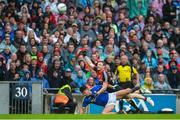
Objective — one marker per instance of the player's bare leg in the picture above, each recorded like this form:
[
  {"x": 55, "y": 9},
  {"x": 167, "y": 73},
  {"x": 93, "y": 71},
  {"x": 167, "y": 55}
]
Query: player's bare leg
[
  {"x": 121, "y": 93},
  {"x": 108, "y": 109}
]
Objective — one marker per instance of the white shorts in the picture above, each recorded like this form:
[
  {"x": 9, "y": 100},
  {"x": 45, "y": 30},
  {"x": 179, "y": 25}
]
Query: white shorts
[{"x": 112, "y": 99}]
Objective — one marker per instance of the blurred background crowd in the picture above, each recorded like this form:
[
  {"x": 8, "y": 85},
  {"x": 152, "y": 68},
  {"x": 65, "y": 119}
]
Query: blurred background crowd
[{"x": 89, "y": 41}]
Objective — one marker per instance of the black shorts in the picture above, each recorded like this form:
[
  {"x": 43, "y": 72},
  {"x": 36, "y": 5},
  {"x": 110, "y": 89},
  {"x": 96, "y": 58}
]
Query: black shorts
[{"x": 125, "y": 85}]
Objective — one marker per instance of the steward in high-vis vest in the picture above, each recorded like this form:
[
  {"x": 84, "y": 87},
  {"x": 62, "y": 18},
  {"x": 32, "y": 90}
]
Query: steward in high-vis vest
[{"x": 64, "y": 99}]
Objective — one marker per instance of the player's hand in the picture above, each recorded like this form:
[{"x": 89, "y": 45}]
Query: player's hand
[
  {"x": 93, "y": 96},
  {"x": 115, "y": 86},
  {"x": 97, "y": 94}
]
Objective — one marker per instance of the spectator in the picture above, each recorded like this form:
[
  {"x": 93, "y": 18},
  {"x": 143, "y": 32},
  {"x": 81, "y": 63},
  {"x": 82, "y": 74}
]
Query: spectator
[
  {"x": 169, "y": 11},
  {"x": 115, "y": 47},
  {"x": 34, "y": 52},
  {"x": 110, "y": 61},
  {"x": 84, "y": 66},
  {"x": 148, "y": 74},
  {"x": 137, "y": 7},
  {"x": 157, "y": 35},
  {"x": 3, "y": 69},
  {"x": 69, "y": 52},
  {"x": 162, "y": 53},
  {"x": 27, "y": 76},
  {"x": 75, "y": 72},
  {"x": 161, "y": 84},
  {"x": 72, "y": 62},
  {"x": 21, "y": 52},
  {"x": 8, "y": 31},
  {"x": 144, "y": 49},
  {"x": 40, "y": 62},
  {"x": 136, "y": 61},
  {"x": 69, "y": 34},
  {"x": 174, "y": 57},
  {"x": 109, "y": 51},
  {"x": 18, "y": 39},
  {"x": 157, "y": 6},
  {"x": 171, "y": 63},
  {"x": 149, "y": 60},
  {"x": 49, "y": 14},
  {"x": 6, "y": 43},
  {"x": 142, "y": 71},
  {"x": 174, "y": 37},
  {"x": 31, "y": 35},
  {"x": 160, "y": 70},
  {"x": 12, "y": 74},
  {"x": 7, "y": 53},
  {"x": 13, "y": 58},
  {"x": 55, "y": 70},
  {"x": 34, "y": 68},
  {"x": 46, "y": 54},
  {"x": 174, "y": 77},
  {"x": 87, "y": 31},
  {"x": 31, "y": 43},
  {"x": 27, "y": 59},
  {"x": 40, "y": 78},
  {"x": 80, "y": 79},
  {"x": 148, "y": 39},
  {"x": 67, "y": 76},
  {"x": 148, "y": 84}
]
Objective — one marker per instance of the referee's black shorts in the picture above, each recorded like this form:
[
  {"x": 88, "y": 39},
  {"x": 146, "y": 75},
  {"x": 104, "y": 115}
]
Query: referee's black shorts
[{"x": 125, "y": 85}]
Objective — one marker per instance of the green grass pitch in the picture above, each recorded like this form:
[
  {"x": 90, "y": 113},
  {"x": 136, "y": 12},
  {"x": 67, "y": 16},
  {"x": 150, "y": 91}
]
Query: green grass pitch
[{"x": 93, "y": 117}]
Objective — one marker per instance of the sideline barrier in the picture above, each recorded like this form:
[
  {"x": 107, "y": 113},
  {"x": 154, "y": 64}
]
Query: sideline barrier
[
  {"x": 28, "y": 98},
  {"x": 161, "y": 101},
  {"x": 20, "y": 97}
]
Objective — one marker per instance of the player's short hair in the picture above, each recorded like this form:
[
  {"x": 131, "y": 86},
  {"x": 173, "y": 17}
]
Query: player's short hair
[{"x": 83, "y": 88}]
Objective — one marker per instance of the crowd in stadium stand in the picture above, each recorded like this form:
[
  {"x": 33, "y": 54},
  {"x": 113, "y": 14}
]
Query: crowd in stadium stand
[{"x": 90, "y": 40}]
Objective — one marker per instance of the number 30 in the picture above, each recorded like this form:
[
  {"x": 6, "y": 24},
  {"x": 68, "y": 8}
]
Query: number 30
[{"x": 21, "y": 92}]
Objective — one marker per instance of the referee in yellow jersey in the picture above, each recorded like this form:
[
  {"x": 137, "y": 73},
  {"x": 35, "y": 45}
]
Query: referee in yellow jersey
[{"x": 128, "y": 77}]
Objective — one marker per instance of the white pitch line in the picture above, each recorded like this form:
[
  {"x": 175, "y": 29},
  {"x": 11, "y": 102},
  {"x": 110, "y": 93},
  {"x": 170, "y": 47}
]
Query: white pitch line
[{"x": 93, "y": 119}]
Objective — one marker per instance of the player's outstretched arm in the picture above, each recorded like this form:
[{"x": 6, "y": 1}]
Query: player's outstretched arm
[{"x": 103, "y": 89}]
